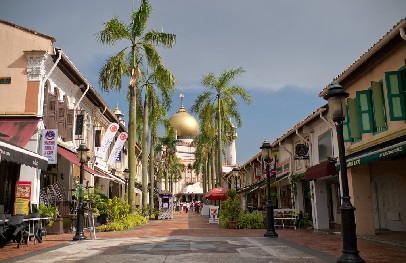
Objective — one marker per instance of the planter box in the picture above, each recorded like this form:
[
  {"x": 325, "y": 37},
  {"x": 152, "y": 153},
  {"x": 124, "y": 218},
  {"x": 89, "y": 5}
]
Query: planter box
[{"x": 56, "y": 228}]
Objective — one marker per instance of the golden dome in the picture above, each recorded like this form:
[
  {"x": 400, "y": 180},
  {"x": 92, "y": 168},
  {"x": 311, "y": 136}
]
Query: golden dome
[{"x": 185, "y": 125}]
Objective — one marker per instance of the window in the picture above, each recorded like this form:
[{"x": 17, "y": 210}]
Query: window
[
  {"x": 5, "y": 80},
  {"x": 367, "y": 112},
  {"x": 396, "y": 88},
  {"x": 325, "y": 146}
]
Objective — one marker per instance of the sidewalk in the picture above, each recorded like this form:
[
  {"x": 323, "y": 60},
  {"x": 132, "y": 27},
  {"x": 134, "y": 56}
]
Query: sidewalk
[{"x": 386, "y": 247}]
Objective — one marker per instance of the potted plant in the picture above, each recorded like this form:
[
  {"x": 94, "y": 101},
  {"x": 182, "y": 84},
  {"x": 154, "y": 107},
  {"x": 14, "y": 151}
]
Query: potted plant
[
  {"x": 231, "y": 208},
  {"x": 54, "y": 223}
]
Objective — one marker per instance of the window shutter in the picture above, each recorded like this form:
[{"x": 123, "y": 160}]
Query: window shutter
[
  {"x": 379, "y": 105},
  {"x": 346, "y": 130},
  {"x": 396, "y": 97},
  {"x": 353, "y": 119},
  {"x": 365, "y": 110}
]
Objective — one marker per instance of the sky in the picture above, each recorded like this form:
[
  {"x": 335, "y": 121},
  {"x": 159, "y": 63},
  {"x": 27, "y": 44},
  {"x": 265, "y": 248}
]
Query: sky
[{"x": 289, "y": 49}]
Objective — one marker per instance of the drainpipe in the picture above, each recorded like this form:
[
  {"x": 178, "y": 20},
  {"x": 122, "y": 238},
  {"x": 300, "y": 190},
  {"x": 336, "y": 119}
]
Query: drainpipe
[
  {"x": 41, "y": 105},
  {"x": 402, "y": 33},
  {"x": 81, "y": 98},
  {"x": 327, "y": 121}
]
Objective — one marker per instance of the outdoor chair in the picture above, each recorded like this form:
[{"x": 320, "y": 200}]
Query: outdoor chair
[
  {"x": 17, "y": 227},
  {"x": 3, "y": 230}
]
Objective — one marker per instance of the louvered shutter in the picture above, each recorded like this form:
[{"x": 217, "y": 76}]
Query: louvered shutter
[
  {"x": 379, "y": 105},
  {"x": 51, "y": 118},
  {"x": 69, "y": 125},
  {"x": 354, "y": 131},
  {"x": 396, "y": 96},
  {"x": 365, "y": 110}
]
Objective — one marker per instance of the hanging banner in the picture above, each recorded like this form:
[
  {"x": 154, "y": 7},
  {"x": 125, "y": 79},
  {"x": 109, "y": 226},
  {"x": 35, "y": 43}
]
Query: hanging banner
[
  {"x": 106, "y": 141},
  {"x": 117, "y": 148},
  {"x": 50, "y": 145}
]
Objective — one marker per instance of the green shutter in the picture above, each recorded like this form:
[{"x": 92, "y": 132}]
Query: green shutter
[
  {"x": 396, "y": 98},
  {"x": 379, "y": 105},
  {"x": 346, "y": 131},
  {"x": 353, "y": 120},
  {"x": 365, "y": 110}
]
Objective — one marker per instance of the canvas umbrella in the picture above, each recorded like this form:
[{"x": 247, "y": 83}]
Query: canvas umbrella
[{"x": 216, "y": 194}]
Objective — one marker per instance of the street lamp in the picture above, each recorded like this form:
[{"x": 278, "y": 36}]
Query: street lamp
[
  {"x": 80, "y": 213},
  {"x": 236, "y": 172},
  {"x": 336, "y": 98},
  {"x": 266, "y": 156},
  {"x": 126, "y": 173}
]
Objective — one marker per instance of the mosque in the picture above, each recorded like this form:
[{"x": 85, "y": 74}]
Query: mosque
[{"x": 190, "y": 186}]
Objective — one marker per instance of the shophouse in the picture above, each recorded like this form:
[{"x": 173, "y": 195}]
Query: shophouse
[
  {"x": 375, "y": 133},
  {"x": 43, "y": 95}
]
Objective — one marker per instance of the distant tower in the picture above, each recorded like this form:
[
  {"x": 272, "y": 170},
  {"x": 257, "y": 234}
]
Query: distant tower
[
  {"x": 231, "y": 150},
  {"x": 119, "y": 115}
]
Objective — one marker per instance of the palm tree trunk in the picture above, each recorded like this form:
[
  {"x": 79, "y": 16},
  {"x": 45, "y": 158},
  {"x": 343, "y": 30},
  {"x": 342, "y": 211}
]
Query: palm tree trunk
[
  {"x": 219, "y": 161},
  {"x": 212, "y": 159},
  {"x": 145, "y": 140},
  {"x": 131, "y": 147},
  {"x": 152, "y": 170},
  {"x": 204, "y": 174}
]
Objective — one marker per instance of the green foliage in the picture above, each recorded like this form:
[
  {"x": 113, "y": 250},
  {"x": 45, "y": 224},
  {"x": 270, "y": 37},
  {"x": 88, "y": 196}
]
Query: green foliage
[
  {"x": 98, "y": 202},
  {"x": 250, "y": 221},
  {"x": 49, "y": 211},
  {"x": 117, "y": 209},
  {"x": 231, "y": 208},
  {"x": 129, "y": 222}
]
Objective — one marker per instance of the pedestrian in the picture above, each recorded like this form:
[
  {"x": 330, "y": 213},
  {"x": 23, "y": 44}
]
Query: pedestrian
[
  {"x": 187, "y": 205},
  {"x": 192, "y": 206},
  {"x": 197, "y": 207}
]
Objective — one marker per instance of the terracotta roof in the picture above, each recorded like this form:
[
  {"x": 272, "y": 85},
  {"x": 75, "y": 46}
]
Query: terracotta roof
[
  {"x": 27, "y": 30},
  {"x": 369, "y": 53}
]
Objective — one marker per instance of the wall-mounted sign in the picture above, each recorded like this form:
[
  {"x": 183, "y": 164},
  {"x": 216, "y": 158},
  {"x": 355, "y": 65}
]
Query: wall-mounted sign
[
  {"x": 50, "y": 145},
  {"x": 301, "y": 151}
]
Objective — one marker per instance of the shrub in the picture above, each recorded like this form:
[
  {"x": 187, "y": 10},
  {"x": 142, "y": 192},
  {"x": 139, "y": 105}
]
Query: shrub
[
  {"x": 49, "y": 211},
  {"x": 117, "y": 209},
  {"x": 129, "y": 222},
  {"x": 250, "y": 221},
  {"x": 231, "y": 208}
]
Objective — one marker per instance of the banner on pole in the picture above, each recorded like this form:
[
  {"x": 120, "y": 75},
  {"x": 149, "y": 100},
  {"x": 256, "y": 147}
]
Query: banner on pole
[
  {"x": 117, "y": 148},
  {"x": 106, "y": 141}
]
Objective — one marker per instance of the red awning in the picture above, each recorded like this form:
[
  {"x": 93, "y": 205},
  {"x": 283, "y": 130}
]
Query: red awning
[
  {"x": 71, "y": 157},
  {"x": 216, "y": 194},
  {"x": 326, "y": 168},
  {"x": 17, "y": 131}
]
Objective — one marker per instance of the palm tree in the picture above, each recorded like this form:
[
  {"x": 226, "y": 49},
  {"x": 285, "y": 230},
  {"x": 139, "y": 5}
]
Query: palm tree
[
  {"x": 128, "y": 62},
  {"x": 158, "y": 112},
  {"x": 220, "y": 102}
]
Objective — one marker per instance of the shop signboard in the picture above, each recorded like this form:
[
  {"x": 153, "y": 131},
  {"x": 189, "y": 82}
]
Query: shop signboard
[
  {"x": 22, "y": 198},
  {"x": 50, "y": 145}
]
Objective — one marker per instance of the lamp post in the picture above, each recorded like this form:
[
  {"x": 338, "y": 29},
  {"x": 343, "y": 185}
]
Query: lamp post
[
  {"x": 236, "y": 172},
  {"x": 266, "y": 156},
  {"x": 336, "y": 98},
  {"x": 80, "y": 213},
  {"x": 126, "y": 173}
]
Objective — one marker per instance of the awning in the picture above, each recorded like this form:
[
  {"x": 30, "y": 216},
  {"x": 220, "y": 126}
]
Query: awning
[
  {"x": 216, "y": 194},
  {"x": 17, "y": 131},
  {"x": 382, "y": 153},
  {"x": 71, "y": 157},
  {"x": 22, "y": 156},
  {"x": 322, "y": 169}
]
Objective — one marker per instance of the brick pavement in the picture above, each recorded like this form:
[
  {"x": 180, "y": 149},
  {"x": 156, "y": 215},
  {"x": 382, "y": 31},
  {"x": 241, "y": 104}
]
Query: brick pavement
[{"x": 192, "y": 224}]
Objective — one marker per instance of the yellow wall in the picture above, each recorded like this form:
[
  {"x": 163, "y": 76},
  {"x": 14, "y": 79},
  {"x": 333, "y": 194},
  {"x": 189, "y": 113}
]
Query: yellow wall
[{"x": 21, "y": 96}]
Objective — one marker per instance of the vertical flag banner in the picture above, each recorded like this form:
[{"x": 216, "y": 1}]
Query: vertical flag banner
[
  {"x": 117, "y": 148},
  {"x": 50, "y": 145},
  {"x": 107, "y": 139}
]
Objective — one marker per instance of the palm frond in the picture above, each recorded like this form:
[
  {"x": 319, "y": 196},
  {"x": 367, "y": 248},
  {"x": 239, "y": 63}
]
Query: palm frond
[
  {"x": 160, "y": 39},
  {"x": 113, "y": 31},
  {"x": 139, "y": 20},
  {"x": 110, "y": 75}
]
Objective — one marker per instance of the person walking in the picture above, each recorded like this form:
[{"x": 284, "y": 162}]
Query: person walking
[{"x": 187, "y": 205}]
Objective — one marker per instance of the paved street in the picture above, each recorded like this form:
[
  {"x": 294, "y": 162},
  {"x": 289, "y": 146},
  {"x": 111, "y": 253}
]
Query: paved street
[{"x": 189, "y": 238}]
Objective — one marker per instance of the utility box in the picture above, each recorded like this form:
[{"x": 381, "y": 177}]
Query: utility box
[{"x": 165, "y": 205}]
